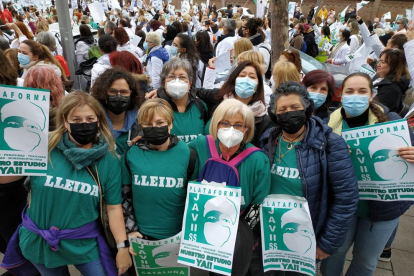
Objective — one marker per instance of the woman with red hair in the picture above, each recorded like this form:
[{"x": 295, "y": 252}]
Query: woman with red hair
[
  {"x": 124, "y": 44},
  {"x": 129, "y": 62},
  {"x": 46, "y": 78},
  {"x": 321, "y": 89},
  {"x": 156, "y": 26}
]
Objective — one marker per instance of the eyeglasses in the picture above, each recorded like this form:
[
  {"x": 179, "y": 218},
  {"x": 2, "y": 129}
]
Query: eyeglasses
[
  {"x": 159, "y": 123},
  {"x": 239, "y": 127},
  {"x": 122, "y": 92},
  {"x": 181, "y": 78}
]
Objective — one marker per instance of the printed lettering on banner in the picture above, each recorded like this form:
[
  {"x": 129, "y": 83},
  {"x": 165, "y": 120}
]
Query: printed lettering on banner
[
  {"x": 158, "y": 257},
  {"x": 382, "y": 174},
  {"x": 288, "y": 239},
  {"x": 24, "y": 114},
  {"x": 365, "y": 68},
  {"x": 210, "y": 224}
]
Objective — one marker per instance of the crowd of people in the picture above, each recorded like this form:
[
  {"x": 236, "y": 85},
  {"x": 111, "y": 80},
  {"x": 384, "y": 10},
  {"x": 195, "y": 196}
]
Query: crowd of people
[{"x": 153, "y": 100}]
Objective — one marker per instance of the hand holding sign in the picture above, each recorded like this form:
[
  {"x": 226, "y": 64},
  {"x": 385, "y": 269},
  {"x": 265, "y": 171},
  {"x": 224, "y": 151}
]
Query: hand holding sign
[{"x": 407, "y": 153}]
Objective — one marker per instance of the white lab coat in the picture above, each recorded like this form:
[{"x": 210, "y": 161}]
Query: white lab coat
[{"x": 225, "y": 45}]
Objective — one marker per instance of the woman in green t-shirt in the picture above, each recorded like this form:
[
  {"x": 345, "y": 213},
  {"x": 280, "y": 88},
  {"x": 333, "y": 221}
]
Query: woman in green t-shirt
[
  {"x": 116, "y": 89},
  {"x": 232, "y": 128},
  {"x": 154, "y": 170},
  {"x": 68, "y": 197}
]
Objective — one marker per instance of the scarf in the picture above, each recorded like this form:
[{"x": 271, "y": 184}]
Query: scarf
[
  {"x": 80, "y": 157},
  {"x": 258, "y": 108},
  {"x": 336, "y": 49}
]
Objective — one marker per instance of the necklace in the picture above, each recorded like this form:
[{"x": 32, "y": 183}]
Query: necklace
[
  {"x": 281, "y": 155},
  {"x": 289, "y": 145}
]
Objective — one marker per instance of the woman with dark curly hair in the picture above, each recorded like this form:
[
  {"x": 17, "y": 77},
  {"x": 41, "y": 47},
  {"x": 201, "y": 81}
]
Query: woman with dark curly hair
[
  {"x": 124, "y": 44},
  {"x": 116, "y": 89}
]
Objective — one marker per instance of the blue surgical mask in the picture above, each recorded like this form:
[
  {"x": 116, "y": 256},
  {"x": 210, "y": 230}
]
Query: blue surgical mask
[
  {"x": 245, "y": 87},
  {"x": 23, "y": 59},
  {"x": 173, "y": 51},
  {"x": 396, "y": 27},
  {"x": 317, "y": 98},
  {"x": 146, "y": 47},
  {"x": 355, "y": 105}
]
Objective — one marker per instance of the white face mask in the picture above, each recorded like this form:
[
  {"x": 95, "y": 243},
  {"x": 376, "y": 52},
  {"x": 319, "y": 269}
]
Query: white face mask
[
  {"x": 177, "y": 88},
  {"x": 230, "y": 137},
  {"x": 330, "y": 21}
]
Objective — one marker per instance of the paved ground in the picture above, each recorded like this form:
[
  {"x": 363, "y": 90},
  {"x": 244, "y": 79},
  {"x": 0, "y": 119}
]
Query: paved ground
[{"x": 402, "y": 252}]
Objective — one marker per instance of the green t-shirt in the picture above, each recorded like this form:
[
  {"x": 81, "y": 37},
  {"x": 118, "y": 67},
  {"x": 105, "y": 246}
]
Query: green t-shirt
[
  {"x": 121, "y": 143},
  {"x": 207, "y": 127},
  {"x": 158, "y": 188},
  {"x": 364, "y": 209},
  {"x": 285, "y": 174},
  {"x": 68, "y": 198},
  {"x": 188, "y": 125},
  {"x": 254, "y": 173}
]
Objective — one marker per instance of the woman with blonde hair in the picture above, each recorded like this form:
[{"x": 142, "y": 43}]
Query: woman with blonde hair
[
  {"x": 240, "y": 45},
  {"x": 83, "y": 170},
  {"x": 154, "y": 155},
  {"x": 284, "y": 71},
  {"x": 231, "y": 131}
]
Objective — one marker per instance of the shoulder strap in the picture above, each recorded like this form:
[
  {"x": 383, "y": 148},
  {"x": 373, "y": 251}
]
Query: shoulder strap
[
  {"x": 242, "y": 156},
  {"x": 263, "y": 47},
  {"x": 202, "y": 110},
  {"x": 212, "y": 147},
  {"x": 95, "y": 177},
  {"x": 191, "y": 165}
]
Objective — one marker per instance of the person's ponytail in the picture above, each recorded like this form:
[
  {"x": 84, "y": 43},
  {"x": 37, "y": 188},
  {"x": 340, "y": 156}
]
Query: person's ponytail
[
  {"x": 378, "y": 112},
  {"x": 348, "y": 41}
]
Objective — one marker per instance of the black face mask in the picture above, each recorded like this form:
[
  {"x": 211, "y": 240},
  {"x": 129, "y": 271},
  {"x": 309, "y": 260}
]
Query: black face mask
[
  {"x": 156, "y": 135},
  {"x": 117, "y": 104},
  {"x": 84, "y": 133},
  {"x": 292, "y": 121},
  {"x": 240, "y": 32}
]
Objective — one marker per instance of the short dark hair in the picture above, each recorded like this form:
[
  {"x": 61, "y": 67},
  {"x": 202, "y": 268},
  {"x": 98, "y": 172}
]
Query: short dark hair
[
  {"x": 107, "y": 43},
  {"x": 4, "y": 44},
  {"x": 111, "y": 25},
  {"x": 84, "y": 30},
  {"x": 317, "y": 76}
]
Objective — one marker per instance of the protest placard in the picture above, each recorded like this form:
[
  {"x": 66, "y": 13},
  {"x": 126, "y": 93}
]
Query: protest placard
[
  {"x": 382, "y": 174},
  {"x": 210, "y": 224},
  {"x": 223, "y": 62},
  {"x": 24, "y": 114},
  {"x": 288, "y": 239},
  {"x": 158, "y": 257},
  {"x": 97, "y": 12},
  {"x": 291, "y": 9},
  {"x": 367, "y": 69}
]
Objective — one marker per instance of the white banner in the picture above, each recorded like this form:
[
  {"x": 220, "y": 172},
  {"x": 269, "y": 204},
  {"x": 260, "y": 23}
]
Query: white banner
[
  {"x": 97, "y": 12},
  {"x": 291, "y": 9},
  {"x": 288, "y": 239},
  {"x": 24, "y": 114},
  {"x": 210, "y": 224},
  {"x": 361, "y": 5}
]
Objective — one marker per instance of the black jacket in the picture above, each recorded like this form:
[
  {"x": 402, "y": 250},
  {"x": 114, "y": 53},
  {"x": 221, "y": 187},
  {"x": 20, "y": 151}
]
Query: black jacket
[{"x": 391, "y": 93}]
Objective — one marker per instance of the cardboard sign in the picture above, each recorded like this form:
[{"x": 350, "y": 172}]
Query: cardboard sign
[
  {"x": 382, "y": 174},
  {"x": 97, "y": 12},
  {"x": 288, "y": 239},
  {"x": 24, "y": 114},
  {"x": 365, "y": 68},
  {"x": 210, "y": 224},
  {"x": 158, "y": 257}
]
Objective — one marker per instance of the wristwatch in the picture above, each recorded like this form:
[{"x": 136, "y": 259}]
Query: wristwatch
[{"x": 123, "y": 244}]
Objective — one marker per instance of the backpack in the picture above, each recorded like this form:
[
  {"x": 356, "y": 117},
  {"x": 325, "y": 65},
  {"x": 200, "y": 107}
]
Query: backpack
[
  {"x": 94, "y": 51},
  {"x": 220, "y": 171},
  {"x": 203, "y": 110},
  {"x": 268, "y": 73},
  {"x": 304, "y": 47},
  {"x": 311, "y": 47}
]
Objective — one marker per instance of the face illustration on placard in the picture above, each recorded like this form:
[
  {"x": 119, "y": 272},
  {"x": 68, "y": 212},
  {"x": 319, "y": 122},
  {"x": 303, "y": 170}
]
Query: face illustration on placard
[
  {"x": 166, "y": 255},
  {"x": 23, "y": 124},
  {"x": 218, "y": 223},
  {"x": 297, "y": 236},
  {"x": 387, "y": 163}
]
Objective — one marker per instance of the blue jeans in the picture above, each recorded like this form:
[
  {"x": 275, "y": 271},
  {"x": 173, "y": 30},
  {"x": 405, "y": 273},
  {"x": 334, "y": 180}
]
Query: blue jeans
[
  {"x": 391, "y": 239},
  {"x": 94, "y": 268},
  {"x": 369, "y": 239}
]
